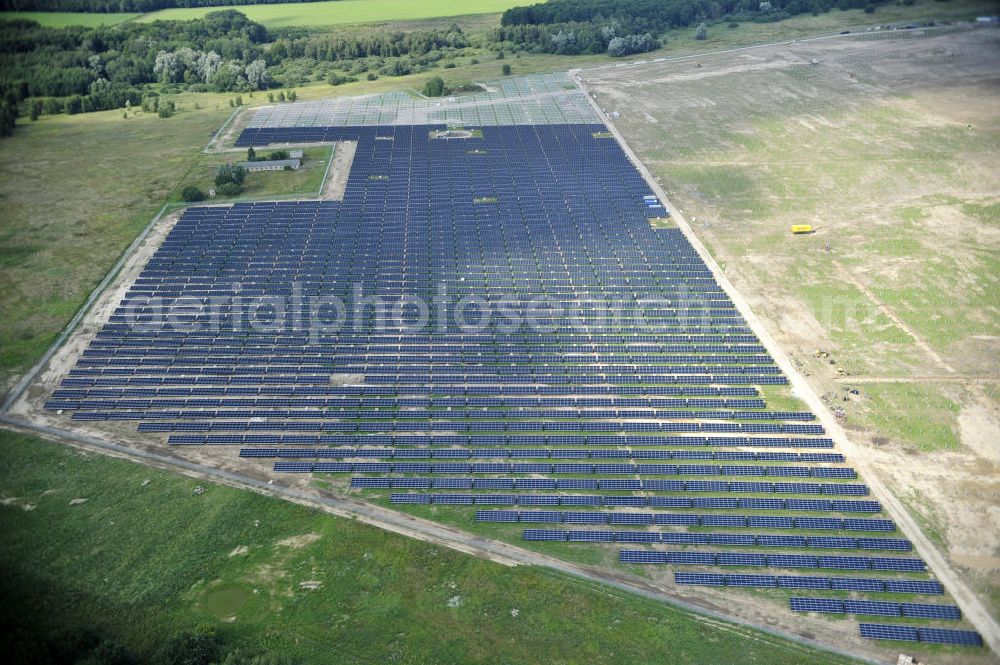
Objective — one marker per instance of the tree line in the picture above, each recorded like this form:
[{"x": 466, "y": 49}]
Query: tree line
[
  {"x": 571, "y": 27},
  {"x": 659, "y": 14},
  {"x": 140, "y": 6}
]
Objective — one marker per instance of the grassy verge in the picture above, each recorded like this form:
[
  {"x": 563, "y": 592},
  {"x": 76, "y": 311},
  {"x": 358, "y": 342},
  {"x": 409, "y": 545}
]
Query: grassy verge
[
  {"x": 304, "y": 182},
  {"x": 144, "y": 557},
  {"x": 921, "y": 415}
]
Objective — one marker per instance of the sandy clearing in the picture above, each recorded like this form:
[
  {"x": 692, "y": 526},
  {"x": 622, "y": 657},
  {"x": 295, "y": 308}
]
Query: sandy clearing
[{"x": 339, "y": 171}]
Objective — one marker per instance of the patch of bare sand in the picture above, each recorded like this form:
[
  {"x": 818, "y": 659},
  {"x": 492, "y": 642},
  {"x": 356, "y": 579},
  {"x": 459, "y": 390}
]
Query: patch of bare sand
[
  {"x": 297, "y": 542},
  {"x": 979, "y": 427},
  {"x": 340, "y": 171}
]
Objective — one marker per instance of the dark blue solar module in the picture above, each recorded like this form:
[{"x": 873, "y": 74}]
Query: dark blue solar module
[
  {"x": 928, "y": 587},
  {"x": 875, "y": 631},
  {"x": 923, "y": 611},
  {"x": 872, "y": 608},
  {"x": 829, "y": 605},
  {"x": 803, "y": 582},
  {"x": 967, "y": 638},
  {"x": 642, "y": 556},
  {"x": 544, "y": 534},
  {"x": 760, "y": 581},
  {"x": 700, "y": 579}
]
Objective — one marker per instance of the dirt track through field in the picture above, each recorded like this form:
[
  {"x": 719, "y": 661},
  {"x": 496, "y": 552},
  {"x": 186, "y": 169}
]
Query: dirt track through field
[{"x": 846, "y": 275}]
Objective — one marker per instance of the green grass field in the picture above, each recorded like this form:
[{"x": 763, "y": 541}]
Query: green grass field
[
  {"x": 339, "y": 12},
  {"x": 64, "y": 19},
  {"x": 75, "y": 191},
  {"x": 144, "y": 557},
  {"x": 302, "y": 183}
]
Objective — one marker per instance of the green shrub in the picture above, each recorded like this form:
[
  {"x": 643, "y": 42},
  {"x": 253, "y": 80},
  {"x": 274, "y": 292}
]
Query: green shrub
[
  {"x": 228, "y": 189},
  {"x": 435, "y": 87},
  {"x": 192, "y": 194}
]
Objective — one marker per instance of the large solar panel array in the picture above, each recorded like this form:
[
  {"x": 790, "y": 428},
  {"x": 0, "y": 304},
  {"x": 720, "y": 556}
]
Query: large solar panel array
[
  {"x": 577, "y": 420},
  {"x": 539, "y": 99}
]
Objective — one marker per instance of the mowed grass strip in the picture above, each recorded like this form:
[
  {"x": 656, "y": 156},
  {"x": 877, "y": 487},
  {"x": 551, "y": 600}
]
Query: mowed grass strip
[
  {"x": 341, "y": 12},
  {"x": 66, "y": 19},
  {"x": 144, "y": 557}
]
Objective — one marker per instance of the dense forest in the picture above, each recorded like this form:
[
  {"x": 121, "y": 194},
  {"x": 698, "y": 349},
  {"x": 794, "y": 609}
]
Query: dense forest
[
  {"x": 80, "y": 69},
  {"x": 660, "y": 14},
  {"x": 571, "y": 27},
  {"x": 122, "y": 5}
]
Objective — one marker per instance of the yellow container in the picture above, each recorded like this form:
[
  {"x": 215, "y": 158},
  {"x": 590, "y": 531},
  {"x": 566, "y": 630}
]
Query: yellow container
[{"x": 802, "y": 228}]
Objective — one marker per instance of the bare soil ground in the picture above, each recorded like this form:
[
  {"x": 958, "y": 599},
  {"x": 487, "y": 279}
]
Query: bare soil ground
[
  {"x": 889, "y": 147},
  {"x": 340, "y": 171}
]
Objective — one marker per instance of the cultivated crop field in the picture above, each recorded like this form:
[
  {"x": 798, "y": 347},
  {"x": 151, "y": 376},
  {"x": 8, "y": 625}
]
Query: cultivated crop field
[
  {"x": 887, "y": 144},
  {"x": 341, "y": 11}
]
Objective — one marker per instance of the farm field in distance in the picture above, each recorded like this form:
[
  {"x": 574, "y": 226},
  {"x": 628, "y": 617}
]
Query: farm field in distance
[
  {"x": 63, "y": 19},
  {"x": 887, "y": 145},
  {"x": 279, "y": 577},
  {"x": 338, "y": 12}
]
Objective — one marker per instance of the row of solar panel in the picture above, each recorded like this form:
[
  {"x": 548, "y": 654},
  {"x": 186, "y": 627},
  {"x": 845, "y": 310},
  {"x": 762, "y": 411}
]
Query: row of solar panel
[
  {"x": 415, "y": 401},
  {"x": 387, "y": 391},
  {"x": 749, "y": 559},
  {"x": 697, "y": 332},
  {"x": 334, "y": 409},
  {"x": 305, "y": 344},
  {"x": 874, "y": 631},
  {"x": 637, "y": 441},
  {"x": 728, "y": 539},
  {"x": 715, "y": 503},
  {"x": 553, "y": 453},
  {"x": 675, "y": 519},
  {"x": 605, "y": 484},
  {"x": 859, "y": 584},
  {"x": 440, "y": 381},
  {"x": 588, "y": 469},
  {"x": 875, "y": 608},
  {"x": 735, "y": 540}
]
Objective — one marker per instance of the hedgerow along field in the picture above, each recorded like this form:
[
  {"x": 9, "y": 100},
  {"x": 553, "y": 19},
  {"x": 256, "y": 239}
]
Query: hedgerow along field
[
  {"x": 138, "y": 555},
  {"x": 339, "y": 12}
]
